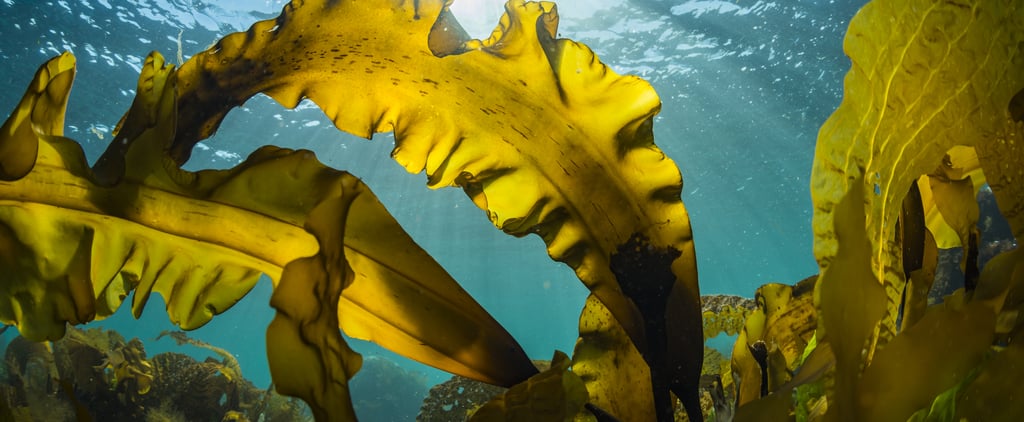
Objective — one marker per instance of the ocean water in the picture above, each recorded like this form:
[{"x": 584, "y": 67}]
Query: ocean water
[{"x": 744, "y": 85}]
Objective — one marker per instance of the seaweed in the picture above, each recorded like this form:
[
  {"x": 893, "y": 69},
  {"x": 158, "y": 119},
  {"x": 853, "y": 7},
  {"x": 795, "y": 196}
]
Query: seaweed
[
  {"x": 96, "y": 374},
  {"x": 547, "y": 140}
]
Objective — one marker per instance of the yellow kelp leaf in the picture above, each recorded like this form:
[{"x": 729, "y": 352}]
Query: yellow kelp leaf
[
  {"x": 850, "y": 305},
  {"x": 791, "y": 319},
  {"x": 991, "y": 396},
  {"x": 535, "y": 129},
  {"x": 746, "y": 368},
  {"x": 614, "y": 372},
  {"x": 44, "y": 104},
  {"x": 923, "y": 361},
  {"x": 75, "y": 247},
  {"x": 556, "y": 394},
  {"x": 308, "y": 357},
  {"x": 945, "y": 235},
  {"x": 926, "y": 76},
  {"x": 784, "y": 322},
  {"x": 959, "y": 168}
]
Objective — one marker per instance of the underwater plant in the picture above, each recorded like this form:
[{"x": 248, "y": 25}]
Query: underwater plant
[
  {"x": 135, "y": 222},
  {"x": 931, "y": 112},
  {"x": 547, "y": 140},
  {"x": 96, "y": 374}
]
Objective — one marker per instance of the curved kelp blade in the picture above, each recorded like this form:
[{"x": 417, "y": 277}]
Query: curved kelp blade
[
  {"x": 76, "y": 247},
  {"x": 783, "y": 323},
  {"x": 308, "y": 357},
  {"x": 554, "y": 395},
  {"x": 937, "y": 76},
  {"x": 615, "y": 374},
  {"x": 536, "y": 130}
]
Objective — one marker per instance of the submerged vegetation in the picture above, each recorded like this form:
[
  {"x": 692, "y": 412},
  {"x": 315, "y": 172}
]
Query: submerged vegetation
[
  {"x": 95, "y": 374},
  {"x": 547, "y": 140}
]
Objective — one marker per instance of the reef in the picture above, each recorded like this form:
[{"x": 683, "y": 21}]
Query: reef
[
  {"x": 95, "y": 374},
  {"x": 547, "y": 140}
]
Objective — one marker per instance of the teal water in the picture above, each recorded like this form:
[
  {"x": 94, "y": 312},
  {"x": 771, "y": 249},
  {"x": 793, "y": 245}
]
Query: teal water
[{"x": 745, "y": 86}]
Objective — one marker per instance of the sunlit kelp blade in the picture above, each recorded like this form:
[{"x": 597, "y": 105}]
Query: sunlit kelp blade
[
  {"x": 926, "y": 77},
  {"x": 939, "y": 75},
  {"x": 75, "y": 252},
  {"x": 615, "y": 374},
  {"x": 535, "y": 129},
  {"x": 76, "y": 248}
]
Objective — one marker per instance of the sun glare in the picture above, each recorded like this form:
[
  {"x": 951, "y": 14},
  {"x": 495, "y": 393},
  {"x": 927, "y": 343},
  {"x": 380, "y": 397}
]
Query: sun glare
[{"x": 478, "y": 17}]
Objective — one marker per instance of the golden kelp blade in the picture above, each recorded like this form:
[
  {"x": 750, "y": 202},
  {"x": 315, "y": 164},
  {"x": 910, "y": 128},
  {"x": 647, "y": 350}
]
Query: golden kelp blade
[
  {"x": 52, "y": 82},
  {"x": 937, "y": 75},
  {"x": 536, "y": 130},
  {"x": 784, "y": 321},
  {"x": 616, "y": 375},
  {"x": 308, "y": 357},
  {"x": 556, "y": 394},
  {"x": 75, "y": 248}
]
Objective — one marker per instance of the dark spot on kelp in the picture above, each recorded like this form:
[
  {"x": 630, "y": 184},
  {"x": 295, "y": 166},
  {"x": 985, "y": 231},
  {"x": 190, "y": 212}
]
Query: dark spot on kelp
[
  {"x": 644, "y": 273},
  {"x": 520, "y": 132}
]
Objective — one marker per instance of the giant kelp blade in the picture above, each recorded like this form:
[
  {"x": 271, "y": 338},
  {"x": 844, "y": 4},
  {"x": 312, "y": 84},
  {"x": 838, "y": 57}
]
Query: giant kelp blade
[
  {"x": 403, "y": 300},
  {"x": 44, "y": 102},
  {"x": 555, "y": 395},
  {"x": 400, "y": 297},
  {"x": 925, "y": 77},
  {"x": 536, "y": 130},
  {"x": 912, "y": 369},
  {"x": 76, "y": 248},
  {"x": 616, "y": 375},
  {"x": 785, "y": 319},
  {"x": 850, "y": 305},
  {"x": 308, "y": 357},
  {"x": 987, "y": 397}
]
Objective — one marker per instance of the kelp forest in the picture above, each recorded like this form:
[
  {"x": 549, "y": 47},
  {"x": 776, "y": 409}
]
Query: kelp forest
[{"x": 913, "y": 314}]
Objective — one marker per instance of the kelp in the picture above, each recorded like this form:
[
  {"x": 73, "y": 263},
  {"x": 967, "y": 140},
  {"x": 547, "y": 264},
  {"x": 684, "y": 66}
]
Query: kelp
[
  {"x": 135, "y": 212},
  {"x": 606, "y": 360},
  {"x": 943, "y": 76},
  {"x": 935, "y": 84},
  {"x": 536, "y": 130},
  {"x": 557, "y": 394},
  {"x": 76, "y": 247},
  {"x": 783, "y": 323},
  {"x": 548, "y": 140}
]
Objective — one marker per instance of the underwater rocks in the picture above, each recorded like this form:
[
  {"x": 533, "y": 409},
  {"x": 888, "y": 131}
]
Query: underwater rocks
[{"x": 94, "y": 374}]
